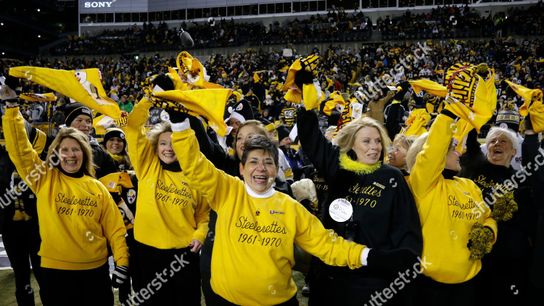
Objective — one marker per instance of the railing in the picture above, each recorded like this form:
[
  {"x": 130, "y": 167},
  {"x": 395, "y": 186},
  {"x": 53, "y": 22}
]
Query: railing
[{"x": 272, "y": 9}]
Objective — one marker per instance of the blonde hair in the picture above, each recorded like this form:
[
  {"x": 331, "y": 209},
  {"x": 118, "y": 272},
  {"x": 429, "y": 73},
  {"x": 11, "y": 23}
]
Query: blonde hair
[
  {"x": 404, "y": 141},
  {"x": 346, "y": 136},
  {"x": 82, "y": 140},
  {"x": 254, "y": 123},
  {"x": 414, "y": 150},
  {"x": 417, "y": 146},
  {"x": 156, "y": 131}
]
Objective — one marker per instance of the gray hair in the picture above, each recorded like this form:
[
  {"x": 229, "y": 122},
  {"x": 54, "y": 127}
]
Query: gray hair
[{"x": 499, "y": 131}]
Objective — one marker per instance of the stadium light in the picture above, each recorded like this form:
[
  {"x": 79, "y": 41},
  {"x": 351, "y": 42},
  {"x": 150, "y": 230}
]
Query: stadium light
[
  {"x": 38, "y": 10},
  {"x": 39, "y": 36}
]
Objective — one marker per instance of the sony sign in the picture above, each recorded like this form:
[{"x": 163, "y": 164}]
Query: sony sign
[{"x": 98, "y": 4}]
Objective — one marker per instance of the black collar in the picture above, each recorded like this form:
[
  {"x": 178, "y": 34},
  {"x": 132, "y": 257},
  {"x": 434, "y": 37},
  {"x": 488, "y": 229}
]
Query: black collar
[
  {"x": 449, "y": 174},
  {"x": 174, "y": 166},
  {"x": 77, "y": 174}
]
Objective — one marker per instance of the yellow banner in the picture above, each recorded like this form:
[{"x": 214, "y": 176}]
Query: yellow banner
[
  {"x": 84, "y": 86},
  {"x": 209, "y": 103},
  {"x": 34, "y": 97}
]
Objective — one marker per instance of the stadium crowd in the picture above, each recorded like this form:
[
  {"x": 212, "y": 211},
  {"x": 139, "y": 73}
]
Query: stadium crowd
[
  {"x": 348, "y": 69},
  {"x": 336, "y": 26}
]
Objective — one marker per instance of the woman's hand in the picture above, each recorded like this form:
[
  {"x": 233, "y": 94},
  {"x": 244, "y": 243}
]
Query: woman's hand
[{"x": 195, "y": 246}]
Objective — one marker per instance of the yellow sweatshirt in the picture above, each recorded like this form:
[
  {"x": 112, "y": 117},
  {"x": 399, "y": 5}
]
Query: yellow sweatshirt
[
  {"x": 77, "y": 216},
  {"x": 169, "y": 213},
  {"x": 255, "y": 234},
  {"x": 447, "y": 209}
]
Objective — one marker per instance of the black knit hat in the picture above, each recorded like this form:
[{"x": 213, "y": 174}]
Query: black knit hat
[
  {"x": 114, "y": 132},
  {"x": 240, "y": 111},
  {"x": 72, "y": 110},
  {"x": 508, "y": 116},
  {"x": 283, "y": 132},
  {"x": 508, "y": 119}
]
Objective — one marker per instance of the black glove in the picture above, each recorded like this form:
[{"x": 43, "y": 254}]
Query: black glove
[
  {"x": 119, "y": 276},
  {"x": 308, "y": 72},
  {"x": 176, "y": 116},
  {"x": 303, "y": 77},
  {"x": 527, "y": 122},
  {"x": 419, "y": 102},
  {"x": 163, "y": 81},
  {"x": 404, "y": 86},
  {"x": 13, "y": 82},
  {"x": 391, "y": 260}
]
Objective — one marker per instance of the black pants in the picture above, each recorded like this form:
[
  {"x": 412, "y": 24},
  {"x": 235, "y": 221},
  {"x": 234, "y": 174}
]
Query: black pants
[
  {"x": 77, "y": 287},
  {"x": 506, "y": 278},
  {"x": 165, "y": 277},
  {"x": 432, "y": 293},
  {"x": 346, "y": 290},
  {"x": 217, "y": 300},
  {"x": 206, "y": 261},
  {"x": 22, "y": 243},
  {"x": 125, "y": 290}
]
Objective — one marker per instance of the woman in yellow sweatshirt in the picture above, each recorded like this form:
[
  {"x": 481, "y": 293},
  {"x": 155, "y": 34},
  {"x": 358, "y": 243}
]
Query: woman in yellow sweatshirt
[
  {"x": 171, "y": 218},
  {"x": 258, "y": 227},
  {"x": 449, "y": 207},
  {"x": 77, "y": 216}
]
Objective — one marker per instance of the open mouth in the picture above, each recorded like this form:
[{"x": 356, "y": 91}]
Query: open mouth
[
  {"x": 497, "y": 153},
  {"x": 260, "y": 179}
]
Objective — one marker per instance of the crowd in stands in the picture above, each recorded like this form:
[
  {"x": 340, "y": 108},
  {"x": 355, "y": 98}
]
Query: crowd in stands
[
  {"x": 347, "y": 69},
  {"x": 335, "y": 26}
]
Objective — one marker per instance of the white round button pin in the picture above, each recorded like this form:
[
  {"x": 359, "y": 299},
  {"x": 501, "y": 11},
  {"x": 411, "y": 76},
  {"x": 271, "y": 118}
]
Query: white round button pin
[
  {"x": 340, "y": 210},
  {"x": 164, "y": 116}
]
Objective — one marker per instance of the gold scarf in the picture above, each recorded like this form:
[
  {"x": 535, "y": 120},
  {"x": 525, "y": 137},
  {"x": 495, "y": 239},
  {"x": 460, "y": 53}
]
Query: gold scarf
[{"x": 351, "y": 165}]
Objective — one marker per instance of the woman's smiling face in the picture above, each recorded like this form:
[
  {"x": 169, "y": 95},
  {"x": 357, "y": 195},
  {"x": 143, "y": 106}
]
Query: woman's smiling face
[
  {"x": 368, "y": 145},
  {"x": 71, "y": 155}
]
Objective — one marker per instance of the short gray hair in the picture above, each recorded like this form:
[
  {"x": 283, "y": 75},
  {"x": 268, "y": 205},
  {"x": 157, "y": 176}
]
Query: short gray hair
[{"x": 498, "y": 131}]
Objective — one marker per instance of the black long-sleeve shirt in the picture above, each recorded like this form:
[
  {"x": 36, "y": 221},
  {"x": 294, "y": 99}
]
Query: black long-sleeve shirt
[
  {"x": 533, "y": 153},
  {"x": 384, "y": 211},
  {"x": 494, "y": 181}
]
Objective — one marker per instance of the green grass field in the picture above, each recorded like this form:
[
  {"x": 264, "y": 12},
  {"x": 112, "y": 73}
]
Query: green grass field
[{"x": 7, "y": 289}]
